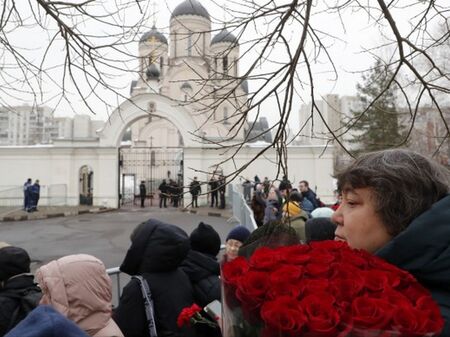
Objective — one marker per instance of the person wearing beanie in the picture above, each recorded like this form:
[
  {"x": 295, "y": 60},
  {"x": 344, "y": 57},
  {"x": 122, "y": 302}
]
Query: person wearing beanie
[
  {"x": 319, "y": 229},
  {"x": 15, "y": 282},
  {"x": 235, "y": 239},
  {"x": 295, "y": 217},
  {"x": 44, "y": 321},
  {"x": 202, "y": 266},
  {"x": 322, "y": 212}
]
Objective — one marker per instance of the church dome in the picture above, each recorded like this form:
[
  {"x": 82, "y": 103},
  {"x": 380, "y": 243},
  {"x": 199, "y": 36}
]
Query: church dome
[
  {"x": 224, "y": 36},
  {"x": 153, "y": 33},
  {"x": 190, "y": 7},
  {"x": 152, "y": 72}
]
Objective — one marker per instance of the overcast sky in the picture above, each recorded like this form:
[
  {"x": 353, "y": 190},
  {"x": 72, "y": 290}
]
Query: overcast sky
[{"x": 352, "y": 30}]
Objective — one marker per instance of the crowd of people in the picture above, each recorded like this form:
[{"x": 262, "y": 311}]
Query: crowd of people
[{"x": 394, "y": 204}]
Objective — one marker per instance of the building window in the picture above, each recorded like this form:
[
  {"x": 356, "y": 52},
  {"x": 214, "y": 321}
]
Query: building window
[
  {"x": 161, "y": 64},
  {"x": 225, "y": 115},
  {"x": 225, "y": 64},
  {"x": 189, "y": 44}
]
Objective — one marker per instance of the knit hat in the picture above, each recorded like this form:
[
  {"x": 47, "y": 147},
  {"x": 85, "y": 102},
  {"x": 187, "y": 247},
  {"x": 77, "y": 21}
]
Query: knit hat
[
  {"x": 322, "y": 212},
  {"x": 292, "y": 208},
  {"x": 319, "y": 229},
  {"x": 239, "y": 233},
  {"x": 284, "y": 185},
  {"x": 205, "y": 239},
  {"x": 13, "y": 261}
]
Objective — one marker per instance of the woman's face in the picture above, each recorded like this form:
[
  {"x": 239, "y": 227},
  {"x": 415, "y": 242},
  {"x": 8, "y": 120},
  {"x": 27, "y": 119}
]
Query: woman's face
[
  {"x": 232, "y": 248},
  {"x": 357, "y": 222}
]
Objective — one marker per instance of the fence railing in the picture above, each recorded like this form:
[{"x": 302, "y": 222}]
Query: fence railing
[
  {"x": 50, "y": 195},
  {"x": 241, "y": 211}
]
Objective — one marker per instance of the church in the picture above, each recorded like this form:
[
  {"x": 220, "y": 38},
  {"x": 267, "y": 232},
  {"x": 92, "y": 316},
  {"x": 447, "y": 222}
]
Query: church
[{"x": 185, "y": 117}]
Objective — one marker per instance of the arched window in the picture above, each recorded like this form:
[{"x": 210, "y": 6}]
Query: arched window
[{"x": 225, "y": 64}]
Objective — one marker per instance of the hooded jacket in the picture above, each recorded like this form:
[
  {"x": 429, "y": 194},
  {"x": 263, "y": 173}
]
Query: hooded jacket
[
  {"x": 423, "y": 249},
  {"x": 203, "y": 271},
  {"x": 44, "y": 321},
  {"x": 78, "y": 287},
  {"x": 156, "y": 252}
]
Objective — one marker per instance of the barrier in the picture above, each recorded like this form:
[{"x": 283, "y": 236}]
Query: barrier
[
  {"x": 50, "y": 195},
  {"x": 241, "y": 211}
]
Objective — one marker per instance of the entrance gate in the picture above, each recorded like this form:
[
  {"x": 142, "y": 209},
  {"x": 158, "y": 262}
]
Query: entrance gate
[{"x": 151, "y": 165}]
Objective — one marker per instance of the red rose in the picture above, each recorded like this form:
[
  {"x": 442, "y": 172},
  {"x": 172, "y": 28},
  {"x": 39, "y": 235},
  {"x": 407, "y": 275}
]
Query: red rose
[
  {"x": 297, "y": 254},
  {"x": 322, "y": 317},
  {"x": 252, "y": 287},
  {"x": 232, "y": 271},
  {"x": 430, "y": 309},
  {"x": 313, "y": 286},
  {"x": 371, "y": 313},
  {"x": 283, "y": 317},
  {"x": 184, "y": 318},
  {"x": 375, "y": 280},
  {"x": 346, "y": 289},
  {"x": 264, "y": 259},
  {"x": 317, "y": 270},
  {"x": 322, "y": 257},
  {"x": 354, "y": 258}
]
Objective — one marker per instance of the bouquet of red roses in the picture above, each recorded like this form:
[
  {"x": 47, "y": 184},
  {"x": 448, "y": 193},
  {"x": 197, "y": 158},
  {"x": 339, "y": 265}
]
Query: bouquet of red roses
[{"x": 323, "y": 289}]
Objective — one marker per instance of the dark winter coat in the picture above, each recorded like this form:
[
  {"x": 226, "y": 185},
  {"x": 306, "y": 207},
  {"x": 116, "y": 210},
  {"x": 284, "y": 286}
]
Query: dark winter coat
[
  {"x": 423, "y": 249},
  {"x": 312, "y": 197},
  {"x": 156, "y": 252},
  {"x": 203, "y": 271},
  {"x": 44, "y": 321},
  {"x": 8, "y": 305},
  {"x": 195, "y": 188}
]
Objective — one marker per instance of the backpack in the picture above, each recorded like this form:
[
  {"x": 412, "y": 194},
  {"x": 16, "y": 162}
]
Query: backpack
[{"x": 27, "y": 299}]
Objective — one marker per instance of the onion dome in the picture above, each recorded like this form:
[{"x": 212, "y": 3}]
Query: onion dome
[
  {"x": 152, "y": 72},
  {"x": 244, "y": 86},
  {"x": 190, "y": 7},
  {"x": 224, "y": 36},
  {"x": 153, "y": 35}
]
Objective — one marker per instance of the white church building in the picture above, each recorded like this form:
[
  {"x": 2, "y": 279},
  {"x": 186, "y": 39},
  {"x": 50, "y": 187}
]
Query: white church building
[{"x": 180, "y": 127}]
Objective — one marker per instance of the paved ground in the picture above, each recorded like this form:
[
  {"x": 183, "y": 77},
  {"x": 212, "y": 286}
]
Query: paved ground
[{"x": 44, "y": 212}]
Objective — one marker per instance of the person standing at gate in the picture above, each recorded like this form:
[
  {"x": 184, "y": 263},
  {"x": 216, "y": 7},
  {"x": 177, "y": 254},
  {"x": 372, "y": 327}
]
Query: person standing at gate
[
  {"x": 35, "y": 192},
  {"x": 142, "y": 192},
  {"x": 163, "y": 189},
  {"x": 26, "y": 194},
  {"x": 195, "y": 189},
  {"x": 222, "y": 191},
  {"x": 214, "y": 192}
]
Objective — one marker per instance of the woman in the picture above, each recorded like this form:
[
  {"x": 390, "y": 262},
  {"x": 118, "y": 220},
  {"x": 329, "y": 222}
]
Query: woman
[
  {"x": 79, "y": 288},
  {"x": 396, "y": 204},
  {"x": 156, "y": 253}
]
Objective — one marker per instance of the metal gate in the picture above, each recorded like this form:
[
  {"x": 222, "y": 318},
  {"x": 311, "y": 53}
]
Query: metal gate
[{"x": 150, "y": 165}]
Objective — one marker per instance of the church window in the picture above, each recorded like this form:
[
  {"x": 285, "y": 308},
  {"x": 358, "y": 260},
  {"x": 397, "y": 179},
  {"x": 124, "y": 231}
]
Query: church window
[
  {"x": 225, "y": 115},
  {"x": 189, "y": 44},
  {"x": 225, "y": 64}
]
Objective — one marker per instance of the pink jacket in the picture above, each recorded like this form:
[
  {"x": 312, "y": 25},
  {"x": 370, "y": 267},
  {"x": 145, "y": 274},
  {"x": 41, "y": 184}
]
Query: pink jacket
[{"x": 79, "y": 288}]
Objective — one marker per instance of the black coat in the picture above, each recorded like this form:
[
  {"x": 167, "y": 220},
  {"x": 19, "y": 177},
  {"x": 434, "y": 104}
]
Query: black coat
[
  {"x": 203, "y": 271},
  {"x": 9, "y": 305},
  {"x": 423, "y": 249},
  {"x": 156, "y": 251}
]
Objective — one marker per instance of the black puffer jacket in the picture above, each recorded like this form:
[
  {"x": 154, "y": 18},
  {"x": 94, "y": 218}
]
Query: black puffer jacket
[
  {"x": 423, "y": 249},
  {"x": 156, "y": 252},
  {"x": 203, "y": 271}
]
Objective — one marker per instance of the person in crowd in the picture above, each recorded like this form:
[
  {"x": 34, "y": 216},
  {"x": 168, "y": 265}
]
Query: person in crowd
[
  {"x": 195, "y": 189},
  {"x": 235, "y": 239},
  {"x": 156, "y": 253},
  {"x": 256, "y": 181},
  {"x": 34, "y": 195},
  {"x": 16, "y": 282},
  {"x": 322, "y": 212},
  {"x": 304, "y": 203},
  {"x": 222, "y": 191},
  {"x": 309, "y": 194},
  {"x": 79, "y": 288},
  {"x": 295, "y": 217},
  {"x": 142, "y": 192},
  {"x": 213, "y": 187},
  {"x": 202, "y": 266},
  {"x": 266, "y": 186},
  {"x": 258, "y": 205},
  {"x": 272, "y": 211},
  {"x": 44, "y": 321},
  {"x": 396, "y": 205},
  {"x": 319, "y": 229},
  {"x": 284, "y": 190},
  {"x": 247, "y": 189},
  {"x": 26, "y": 194},
  {"x": 163, "y": 190}
]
